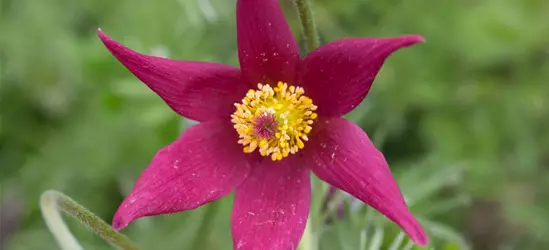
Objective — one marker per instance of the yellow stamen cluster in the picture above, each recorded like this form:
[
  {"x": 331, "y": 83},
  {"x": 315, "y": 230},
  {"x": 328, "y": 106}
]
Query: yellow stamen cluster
[{"x": 284, "y": 107}]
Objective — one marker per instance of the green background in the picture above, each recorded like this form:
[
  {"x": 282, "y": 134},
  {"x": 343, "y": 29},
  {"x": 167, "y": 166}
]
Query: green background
[{"x": 463, "y": 119}]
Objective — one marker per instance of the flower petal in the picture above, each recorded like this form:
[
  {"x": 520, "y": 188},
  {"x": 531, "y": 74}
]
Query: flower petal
[
  {"x": 267, "y": 49},
  {"x": 338, "y": 75},
  {"x": 271, "y": 207},
  {"x": 196, "y": 90},
  {"x": 341, "y": 154},
  {"x": 204, "y": 164}
]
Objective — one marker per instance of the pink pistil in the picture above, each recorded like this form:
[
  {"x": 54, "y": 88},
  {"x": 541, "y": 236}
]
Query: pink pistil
[{"x": 265, "y": 126}]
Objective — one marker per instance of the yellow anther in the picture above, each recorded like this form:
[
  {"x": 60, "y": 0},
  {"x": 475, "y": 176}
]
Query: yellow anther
[{"x": 275, "y": 121}]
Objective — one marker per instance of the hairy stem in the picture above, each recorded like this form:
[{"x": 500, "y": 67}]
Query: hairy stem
[
  {"x": 310, "y": 35},
  {"x": 308, "y": 25},
  {"x": 52, "y": 202}
]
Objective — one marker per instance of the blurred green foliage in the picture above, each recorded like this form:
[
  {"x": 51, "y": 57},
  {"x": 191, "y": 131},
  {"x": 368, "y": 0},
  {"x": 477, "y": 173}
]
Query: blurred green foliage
[{"x": 463, "y": 119}]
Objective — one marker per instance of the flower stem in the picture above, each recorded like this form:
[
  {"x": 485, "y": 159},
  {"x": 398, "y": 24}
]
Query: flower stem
[
  {"x": 308, "y": 25},
  {"x": 52, "y": 202},
  {"x": 310, "y": 35}
]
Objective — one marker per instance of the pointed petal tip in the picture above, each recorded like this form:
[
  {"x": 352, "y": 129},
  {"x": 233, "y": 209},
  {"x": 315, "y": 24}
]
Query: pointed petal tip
[
  {"x": 122, "y": 218},
  {"x": 415, "y": 231},
  {"x": 422, "y": 239},
  {"x": 101, "y": 34},
  {"x": 118, "y": 223},
  {"x": 413, "y": 39},
  {"x": 104, "y": 38}
]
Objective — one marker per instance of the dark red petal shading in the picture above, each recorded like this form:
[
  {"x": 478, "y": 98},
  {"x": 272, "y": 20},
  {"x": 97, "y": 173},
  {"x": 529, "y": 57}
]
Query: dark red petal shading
[
  {"x": 341, "y": 154},
  {"x": 267, "y": 49},
  {"x": 196, "y": 90},
  {"x": 204, "y": 164},
  {"x": 338, "y": 75},
  {"x": 272, "y": 206}
]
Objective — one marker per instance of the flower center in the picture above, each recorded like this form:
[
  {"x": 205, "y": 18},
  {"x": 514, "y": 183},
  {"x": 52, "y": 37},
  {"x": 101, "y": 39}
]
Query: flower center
[{"x": 275, "y": 120}]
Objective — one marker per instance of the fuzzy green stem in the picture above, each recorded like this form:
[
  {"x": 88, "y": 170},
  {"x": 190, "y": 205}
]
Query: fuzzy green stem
[
  {"x": 310, "y": 36},
  {"x": 308, "y": 25},
  {"x": 52, "y": 202}
]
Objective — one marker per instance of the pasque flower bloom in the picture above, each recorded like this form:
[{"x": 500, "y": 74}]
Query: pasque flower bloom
[{"x": 263, "y": 128}]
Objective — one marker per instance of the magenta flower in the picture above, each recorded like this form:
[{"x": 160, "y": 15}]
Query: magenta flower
[{"x": 263, "y": 128}]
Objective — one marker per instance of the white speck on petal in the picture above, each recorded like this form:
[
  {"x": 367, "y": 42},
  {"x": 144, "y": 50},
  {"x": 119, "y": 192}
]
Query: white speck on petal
[
  {"x": 333, "y": 153},
  {"x": 240, "y": 244},
  {"x": 176, "y": 164}
]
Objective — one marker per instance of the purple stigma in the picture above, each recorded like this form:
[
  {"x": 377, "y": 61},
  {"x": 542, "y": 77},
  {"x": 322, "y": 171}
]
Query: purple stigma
[{"x": 265, "y": 126}]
